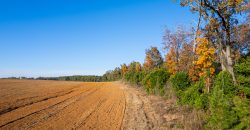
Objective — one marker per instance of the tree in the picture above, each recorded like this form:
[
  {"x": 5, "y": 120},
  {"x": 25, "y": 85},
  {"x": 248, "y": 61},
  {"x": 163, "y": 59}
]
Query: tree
[
  {"x": 224, "y": 13},
  {"x": 222, "y": 115},
  {"x": 124, "y": 69},
  {"x": 132, "y": 66},
  {"x": 134, "y": 74},
  {"x": 138, "y": 67},
  {"x": 174, "y": 41},
  {"x": 205, "y": 54},
  {"x": 171, "y": 63},
  {"x": 116, "y": 73},
  {"x": 153, "y": 59},
  {"x": 155, "y": 81},
  {"x": 186, "y": 58},
  {"x": 242, "y": 36}
]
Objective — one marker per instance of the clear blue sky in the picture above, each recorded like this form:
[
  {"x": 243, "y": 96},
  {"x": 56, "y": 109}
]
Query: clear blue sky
[{"x": 86, "y": 37}]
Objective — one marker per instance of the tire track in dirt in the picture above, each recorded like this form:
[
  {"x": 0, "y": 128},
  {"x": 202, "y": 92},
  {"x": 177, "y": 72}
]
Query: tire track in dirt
[
  {"x": 139, "y": 113},
  {"x": 89, "y": 114}
]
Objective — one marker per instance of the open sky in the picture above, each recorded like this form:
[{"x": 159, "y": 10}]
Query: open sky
[{"x": 81, "y": 37}]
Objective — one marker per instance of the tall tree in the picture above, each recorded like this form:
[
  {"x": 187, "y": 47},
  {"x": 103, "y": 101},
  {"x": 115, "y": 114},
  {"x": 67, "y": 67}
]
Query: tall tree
[
  {"x": 186, "y": 57},
  {"x": 153, "y": 58},
  {"x": 138, "y": 67},
  {"x": 205, "y": 58},
  {"x": 225, "y": 13},
  {"x": 124, "y": 69},
  {"x": 171, "y": 63},
  {"x": 175, "y": 40}
]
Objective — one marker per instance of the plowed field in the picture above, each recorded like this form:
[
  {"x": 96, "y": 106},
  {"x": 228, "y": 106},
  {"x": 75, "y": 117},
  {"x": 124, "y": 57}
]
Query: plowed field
[
  {"x": 60, "y": 105},
  {"x": 57, "y": 105}
]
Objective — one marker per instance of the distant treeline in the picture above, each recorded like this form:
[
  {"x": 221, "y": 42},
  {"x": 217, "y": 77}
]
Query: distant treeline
[
  {"x": 87, "y": 78},
  {"x": 19, "y": 78},
  {"x": 108, "y": 76}
]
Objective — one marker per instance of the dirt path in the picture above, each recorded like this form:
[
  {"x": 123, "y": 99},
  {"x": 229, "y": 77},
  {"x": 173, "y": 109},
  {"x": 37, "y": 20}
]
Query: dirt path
[
  {"x": 60, "y": 105},
  {"x": 139, "y": 113}
]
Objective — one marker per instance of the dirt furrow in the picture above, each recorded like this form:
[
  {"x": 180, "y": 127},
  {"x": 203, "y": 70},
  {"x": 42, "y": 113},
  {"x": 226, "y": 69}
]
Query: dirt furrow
[
  {"x": 109, "y": 114},
  {"x": 29, "y": 101},
  {"x": 27, "y": 104},
  {"x": 12, "y": 117}
]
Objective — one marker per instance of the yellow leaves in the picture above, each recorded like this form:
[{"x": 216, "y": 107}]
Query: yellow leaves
[
  {"x": 137, "y": 67},
  {"x": 212, "y": 70},
  {"x": 235, "y": 2},
  {"x": 205, "y": 53},
  {"x": 192, "y": 72},
  {"x": 238, "y": 5},
  {"x": 124, "y": 69},
  {"x": 171, "y": 63},
  {"x": 147, "y": 63}
]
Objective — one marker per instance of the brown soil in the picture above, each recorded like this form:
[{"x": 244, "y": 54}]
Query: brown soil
[
  {"x": 32, "y": 104},
  {"x": 147, "y": 112},
  {"x": 60, "y": 105}
]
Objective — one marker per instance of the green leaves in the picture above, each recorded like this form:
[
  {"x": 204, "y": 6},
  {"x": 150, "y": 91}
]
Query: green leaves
[
  {"x": 180, "y": 81},
  {"x": 155, "y": 81}
]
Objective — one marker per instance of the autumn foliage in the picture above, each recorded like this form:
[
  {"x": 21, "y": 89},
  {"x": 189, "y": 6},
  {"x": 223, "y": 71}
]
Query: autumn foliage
[
  {"x": 153, "y": 59},
  {"x": 205, "y": 57},
  {"x": 208, "y": 68},
  {"x": 124, "y": 69},
  {"x": 171, "y": 63}
]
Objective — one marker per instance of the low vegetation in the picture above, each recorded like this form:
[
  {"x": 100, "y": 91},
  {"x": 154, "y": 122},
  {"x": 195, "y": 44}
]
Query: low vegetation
[{"x": 208, "y": 70}]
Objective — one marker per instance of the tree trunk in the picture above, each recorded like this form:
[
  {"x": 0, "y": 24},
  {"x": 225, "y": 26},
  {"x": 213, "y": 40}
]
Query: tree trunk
[
  {"x": 208, "y": 84},
  {"x": 229, "y": 62},
  {"x": 177, "y": 58},
  {"x": 222, "y": 55},
  {"x": 197, "y": 29},
  {"x": 222, "y": 61}
]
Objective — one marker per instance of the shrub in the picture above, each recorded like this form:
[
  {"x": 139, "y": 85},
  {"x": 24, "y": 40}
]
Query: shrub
[
  {"x": 242, "y": 109},
  {"x": 129, "y": 77},
  {"x": 135, "y": 77},
  {"x": 222, "y": 116},
  {"x": 194, "y": 96},
  {"x": 155, "y": 81},
  {"x": 180, "y": 81},
  {"x": 243, "y": 75},
  {"x": 242, "y": 101},
  {"x": 224, "y": 82}
]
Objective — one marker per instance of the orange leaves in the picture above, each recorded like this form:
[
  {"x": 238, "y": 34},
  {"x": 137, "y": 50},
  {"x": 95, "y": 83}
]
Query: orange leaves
[
  {"x": 171, "y": 63},
  {"x": 124, "y": 69},
  {"x": 186, "y": 57},
  {"x": 234, "y": 2},
  {"x": 197, "y": 65},
  {"x": 192, "y": 73},
  {"x": 138, "y": 67},
  {"x": 153, "y": 59},
  {"x": 148, "y": 62},
  {"x": 205, "y": 53}
]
